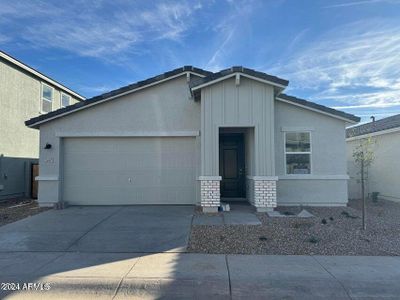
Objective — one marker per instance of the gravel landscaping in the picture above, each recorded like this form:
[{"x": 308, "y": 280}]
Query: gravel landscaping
[
  {"x": 333, "y": 231},
  {"x": 17, "y": 209}
]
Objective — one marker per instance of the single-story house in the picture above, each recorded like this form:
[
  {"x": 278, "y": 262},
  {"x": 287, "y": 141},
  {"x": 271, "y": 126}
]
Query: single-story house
[
  {"x": 190, "y": 136},
  {"x": 384, "y": 172}
]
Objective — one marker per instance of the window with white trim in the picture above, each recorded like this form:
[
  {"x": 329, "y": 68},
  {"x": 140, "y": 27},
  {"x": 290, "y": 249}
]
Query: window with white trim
[
  {"x": 298, "y": 152},
  {"x": 47, "y": 98},
  {"x": 65, "y": 100}
]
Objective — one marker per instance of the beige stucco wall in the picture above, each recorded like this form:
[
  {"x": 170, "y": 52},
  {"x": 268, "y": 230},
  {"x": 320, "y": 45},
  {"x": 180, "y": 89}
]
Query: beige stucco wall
[
  {"x": 166, "y": 107},
  {"x": 162, "y": 109},
  {"x": 327, "y": 183},
  {"x": 20, "y": 95},
  {"x": 383, "y": 174}
]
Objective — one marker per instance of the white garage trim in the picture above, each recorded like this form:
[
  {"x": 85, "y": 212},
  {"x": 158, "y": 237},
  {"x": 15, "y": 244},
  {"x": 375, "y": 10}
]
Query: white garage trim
[
  {"x": 46, "y": 178},
  {"x": 130, "y": 134}
]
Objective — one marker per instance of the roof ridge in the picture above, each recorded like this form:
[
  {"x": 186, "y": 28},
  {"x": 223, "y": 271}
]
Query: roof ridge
[{"x": 234, "y": 69}]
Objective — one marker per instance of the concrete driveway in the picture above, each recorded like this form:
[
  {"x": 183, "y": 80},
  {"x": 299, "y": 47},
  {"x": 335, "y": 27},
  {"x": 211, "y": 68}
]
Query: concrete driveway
[
  {"x": 145, "y": 229},
  {"x": 112, "y": 253}
]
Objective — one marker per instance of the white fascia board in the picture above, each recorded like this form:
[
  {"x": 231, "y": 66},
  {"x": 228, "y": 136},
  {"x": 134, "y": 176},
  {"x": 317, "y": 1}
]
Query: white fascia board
[
  {"x": 234, "y": 75},
  {"x": 313, "y": 177},
  {"x": 372, "y": 134},
  {"x": 296, "y": 129},
  {"x": 40, "y": 75},
  {"x": 317, "y": 110},
  {"x": 113, "y": 97},
  {"x": 46, "y": 178},
  {"x": 64, "y": 134}
]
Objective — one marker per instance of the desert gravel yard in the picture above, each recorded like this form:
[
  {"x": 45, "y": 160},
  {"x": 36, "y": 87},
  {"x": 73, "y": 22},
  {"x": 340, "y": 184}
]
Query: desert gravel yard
[
  {"x": 333, "y": 231},
  {"x": 17, "y": 209}
]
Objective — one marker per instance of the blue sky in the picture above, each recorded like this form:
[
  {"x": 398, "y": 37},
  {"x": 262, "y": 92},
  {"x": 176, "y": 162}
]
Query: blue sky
[{"x": 343, "y": 54}]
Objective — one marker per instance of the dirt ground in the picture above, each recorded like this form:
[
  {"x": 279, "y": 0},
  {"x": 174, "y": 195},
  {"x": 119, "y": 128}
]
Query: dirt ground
[
  {"x": 16, "y": 209},
  {"x": 333, "y": 231}
]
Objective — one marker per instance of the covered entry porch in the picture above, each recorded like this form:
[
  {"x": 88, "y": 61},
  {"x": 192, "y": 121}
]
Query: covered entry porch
[{"x": 236, "y": 182}]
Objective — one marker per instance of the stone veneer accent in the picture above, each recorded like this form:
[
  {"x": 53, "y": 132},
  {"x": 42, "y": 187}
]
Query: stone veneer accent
[
  {"x": 210, "y": 193},
  {"x": 264, "y": 193}
]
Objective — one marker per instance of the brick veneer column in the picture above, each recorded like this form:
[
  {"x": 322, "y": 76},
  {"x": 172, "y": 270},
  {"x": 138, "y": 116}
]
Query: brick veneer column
[
  {"x": 264, "y": 189},
  {"x": 210, "y": 193}
]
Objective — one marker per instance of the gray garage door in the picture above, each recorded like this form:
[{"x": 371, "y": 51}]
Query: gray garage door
[{"x": 107, "y": 171}]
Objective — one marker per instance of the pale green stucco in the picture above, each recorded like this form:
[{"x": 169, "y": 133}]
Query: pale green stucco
[{"x": 20, "y": 94}]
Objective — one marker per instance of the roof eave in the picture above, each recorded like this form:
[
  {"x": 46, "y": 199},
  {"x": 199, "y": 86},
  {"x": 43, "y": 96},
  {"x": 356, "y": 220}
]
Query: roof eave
[
  {"x": 354, "y": 120},
  {"x": 32, "y": 123}
]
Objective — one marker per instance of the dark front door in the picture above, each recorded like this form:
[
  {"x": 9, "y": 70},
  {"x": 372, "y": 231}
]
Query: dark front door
[{"x": 231, "y": 165}]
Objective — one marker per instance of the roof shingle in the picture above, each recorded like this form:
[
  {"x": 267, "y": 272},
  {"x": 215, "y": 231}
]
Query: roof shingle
[
  {"x": 371, "y": 127},
  {"x": 117, "y": 92},
  {"x": 319, "y": 107}
]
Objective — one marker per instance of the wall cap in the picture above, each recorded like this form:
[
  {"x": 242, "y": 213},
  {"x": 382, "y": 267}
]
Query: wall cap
[
  {"x": 271, "y": 178},
  {"x": 219, "y": 178}
]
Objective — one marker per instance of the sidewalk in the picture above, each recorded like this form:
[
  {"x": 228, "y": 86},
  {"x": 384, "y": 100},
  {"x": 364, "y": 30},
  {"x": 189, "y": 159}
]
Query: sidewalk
[{"x": 183, "y": 276}]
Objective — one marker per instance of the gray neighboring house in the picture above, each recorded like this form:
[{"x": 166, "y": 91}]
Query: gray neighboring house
[
  {"x": 190, "y": 136},
  {"x": 24, "y": 93},
  {"x": 384, "y": 173}
]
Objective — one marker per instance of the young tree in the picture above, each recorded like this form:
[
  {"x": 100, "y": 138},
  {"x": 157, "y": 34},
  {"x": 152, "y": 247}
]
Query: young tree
[{"x": 363, "y": 155}]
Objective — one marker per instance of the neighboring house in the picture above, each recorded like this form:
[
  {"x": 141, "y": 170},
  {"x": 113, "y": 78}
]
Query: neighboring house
[
  {"x": 24, "y": 93},
  {"x": 190, "y": 136},
  {"x": 384, "y": 172}
]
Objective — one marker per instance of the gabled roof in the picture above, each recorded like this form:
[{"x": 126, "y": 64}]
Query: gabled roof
[
  {"x": 20, "y": 65},
  {"x": 116, "y": 93},
  {"x": 227, "y": 73},
  {"x": 207, "y": 78},
  {"x": 375, "y": 126},
  {"x": 319, "y": 108}
]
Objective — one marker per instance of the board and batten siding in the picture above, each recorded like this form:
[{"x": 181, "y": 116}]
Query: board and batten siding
[{"x": 248, "y": 104}]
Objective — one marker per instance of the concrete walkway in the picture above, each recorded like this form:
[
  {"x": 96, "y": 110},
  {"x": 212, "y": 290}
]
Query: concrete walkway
[{"x": 74, "y": 275}]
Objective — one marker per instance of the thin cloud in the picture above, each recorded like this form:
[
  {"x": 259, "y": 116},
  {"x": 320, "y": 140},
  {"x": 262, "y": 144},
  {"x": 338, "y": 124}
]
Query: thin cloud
[
  {"x": 355, "y": 66},
  {"x": 227, "y": 30},
  {"x": 357, "y": 3},
  {"x": 102, "y": 30}
]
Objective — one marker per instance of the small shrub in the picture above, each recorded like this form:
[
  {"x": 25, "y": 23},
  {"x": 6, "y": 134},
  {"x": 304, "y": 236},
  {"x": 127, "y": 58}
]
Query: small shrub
[
  {"x": 347, "y": 215},
  {"x": 288, "y": 213},
  {"x": 313, "y": 240},
  {"x": 331, "y": 218},
  {"x": 323, "y": 221}
]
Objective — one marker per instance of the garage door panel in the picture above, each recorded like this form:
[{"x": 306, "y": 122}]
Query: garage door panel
[{"x": 129, "y": 171}]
